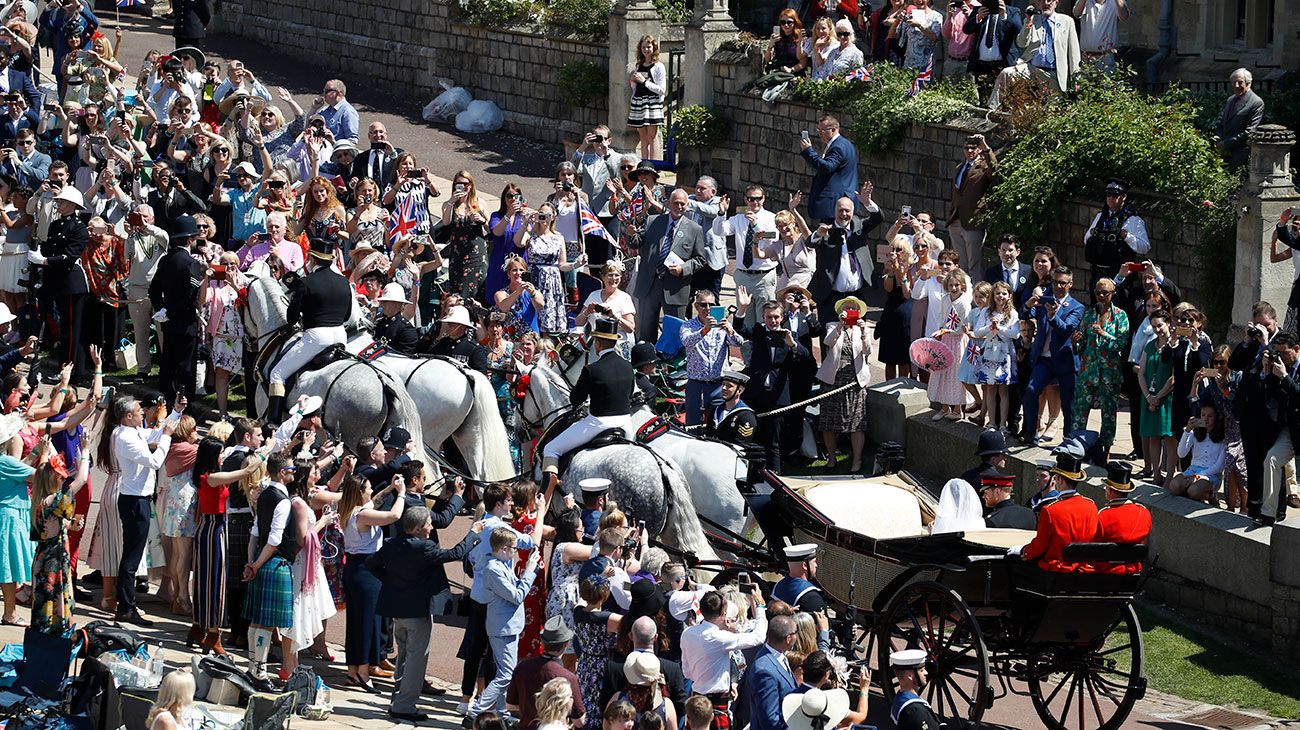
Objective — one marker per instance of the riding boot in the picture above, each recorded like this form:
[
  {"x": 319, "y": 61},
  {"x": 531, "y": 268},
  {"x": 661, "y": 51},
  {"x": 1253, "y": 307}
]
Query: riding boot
[
  {"x": 550, "y": 480},
  {"x": 274, "y": 409}
]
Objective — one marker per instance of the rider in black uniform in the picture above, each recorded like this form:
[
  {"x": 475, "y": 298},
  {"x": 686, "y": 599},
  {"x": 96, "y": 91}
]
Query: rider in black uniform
[{"x": 392, "y": 328}]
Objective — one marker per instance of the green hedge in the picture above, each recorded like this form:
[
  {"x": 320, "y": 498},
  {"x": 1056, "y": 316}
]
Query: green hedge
[{"x": 582, "y": 83}]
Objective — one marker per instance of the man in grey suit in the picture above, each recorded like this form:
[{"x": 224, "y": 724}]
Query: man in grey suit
[
  {"x": 597, "y": 163},
  {"x": 703, "y": 207},
  {"x": 1243, "y": 112},
  {"x": 672, "y": 250}
]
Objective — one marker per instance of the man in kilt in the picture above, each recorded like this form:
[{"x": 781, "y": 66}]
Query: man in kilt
[{"x": 268, "y": 604}]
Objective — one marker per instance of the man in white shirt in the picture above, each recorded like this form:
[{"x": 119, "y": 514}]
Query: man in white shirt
[
  {"x": 137, "y": 465},
  {"x": 748, "y": 230},
  {"x": 1099, "y": 30},
  {"x": 707, "y": 647},
  {"x": 704, "y": 207}
]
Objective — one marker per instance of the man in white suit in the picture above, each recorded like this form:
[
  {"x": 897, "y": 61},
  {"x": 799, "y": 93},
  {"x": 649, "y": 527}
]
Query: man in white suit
[{"x": 1049, "y": 45}]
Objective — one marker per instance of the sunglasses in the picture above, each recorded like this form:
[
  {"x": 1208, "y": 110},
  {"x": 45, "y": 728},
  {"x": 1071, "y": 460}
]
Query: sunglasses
[
  {"x": 755, "y": 198},
  {"x": 787, "y": 22},
  {"x": 202, "y": 226},
  {"x": 843, "y": 35},
  {"x": 275, "y": 184},
  {"x": 1062, "y": 282}
]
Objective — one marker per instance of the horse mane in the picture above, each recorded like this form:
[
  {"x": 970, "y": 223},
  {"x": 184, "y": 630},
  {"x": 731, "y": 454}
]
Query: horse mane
[{"x": 260, "y": 280}]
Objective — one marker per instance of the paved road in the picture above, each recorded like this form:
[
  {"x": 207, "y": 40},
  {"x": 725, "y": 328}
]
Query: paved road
[{"x": 494, "y": 159}]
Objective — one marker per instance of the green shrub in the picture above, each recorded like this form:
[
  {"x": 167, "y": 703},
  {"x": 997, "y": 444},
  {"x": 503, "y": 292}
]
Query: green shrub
[
  {"x": 581, "y": 83},
  {"x": 1112, "y": 130},
  {"x": 588, "y": 18},
  {"x": 672, "y": 11},
  {"x": 497, "y": 13},
  {"x": 699, "y": 127}
]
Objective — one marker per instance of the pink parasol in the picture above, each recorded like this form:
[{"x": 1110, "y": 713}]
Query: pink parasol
[{"x": 931, "y": 354}]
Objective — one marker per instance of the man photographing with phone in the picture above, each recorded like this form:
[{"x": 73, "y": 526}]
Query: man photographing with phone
[{"x": 835, "y": 170}]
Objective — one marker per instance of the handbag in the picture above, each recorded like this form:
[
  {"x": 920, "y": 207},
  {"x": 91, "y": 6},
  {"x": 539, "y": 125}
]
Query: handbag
[{"x": 124, "y": 355}]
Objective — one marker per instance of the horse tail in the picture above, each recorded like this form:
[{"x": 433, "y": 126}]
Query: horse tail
[
  {"x": 683, "y": 526},
  {"x": 484, "y": 424}
]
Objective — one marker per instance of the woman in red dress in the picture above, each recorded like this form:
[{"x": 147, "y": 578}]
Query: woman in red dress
[{"x": 525, "y": 498}]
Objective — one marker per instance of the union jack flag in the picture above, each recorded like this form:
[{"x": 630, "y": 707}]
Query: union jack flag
[
  {"x": 861, "y": 73},
  {"x": 129, "y": 3},
  {"x": 591, "y": 225},
  {"x": 953, "y": 322},
  {"x": 972, "y": 352},
  {"x": 922, "y": 79},
  {"x": 403, "y": 221}
]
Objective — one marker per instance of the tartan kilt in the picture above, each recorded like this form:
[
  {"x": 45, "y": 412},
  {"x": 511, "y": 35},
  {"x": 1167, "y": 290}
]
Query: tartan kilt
[{"x": 269, "y": 601}]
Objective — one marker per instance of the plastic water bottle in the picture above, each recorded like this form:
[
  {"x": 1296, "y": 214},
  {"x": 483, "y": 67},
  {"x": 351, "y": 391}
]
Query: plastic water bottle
[
  {"x": 158, "y": 662},
  {"x": 324, "y": 697}
]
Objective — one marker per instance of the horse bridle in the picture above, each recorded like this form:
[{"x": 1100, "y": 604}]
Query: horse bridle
[
  {"x": 243, "y": 315},
  {"x": 540, "y": 424}
]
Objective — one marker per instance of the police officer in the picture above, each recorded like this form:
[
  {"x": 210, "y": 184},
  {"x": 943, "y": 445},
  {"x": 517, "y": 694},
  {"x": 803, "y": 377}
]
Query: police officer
[
  {"x": 795, "y": 588},
  {"x": 174, "y": 293},
  {"x": 457, "y": 341},
  {"x": 910, "y": 710},
  {"x": 1000, "y": 510},
  {"x": 1122, "y": 520},
  {"x": 644, "y": 359},
  {"x": 1116, "y": 236},
  {"x": 609, "y": 381},
  {"x": 595, "y": 491},
  {"x": 322, "y": 301},
  {"x": 64, "y": 283},
  {"x": 733, "y": 421},
  {"x": 392, "y": 328}
]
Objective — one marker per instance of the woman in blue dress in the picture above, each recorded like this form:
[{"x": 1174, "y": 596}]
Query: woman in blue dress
[
  {"x": 502, "y": 226},
  {"x": 519, "y": 299}
]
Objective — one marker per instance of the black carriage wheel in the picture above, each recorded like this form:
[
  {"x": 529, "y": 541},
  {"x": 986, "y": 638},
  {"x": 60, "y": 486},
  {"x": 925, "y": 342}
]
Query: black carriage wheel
[
  {"x": 930, "y": 616},
  {"x": 1092, "y": 687}
]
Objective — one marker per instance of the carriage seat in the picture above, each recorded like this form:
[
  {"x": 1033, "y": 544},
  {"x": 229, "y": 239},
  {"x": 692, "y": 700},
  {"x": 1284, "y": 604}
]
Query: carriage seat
[
  {"x": 1104, "y": 552},
  {"x": 870, "y": 508}
]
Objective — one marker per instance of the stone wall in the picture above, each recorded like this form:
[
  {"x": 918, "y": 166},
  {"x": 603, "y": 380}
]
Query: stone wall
[
  {"x": 404, "y": 46},
  {"x": 764, "y": 149}
]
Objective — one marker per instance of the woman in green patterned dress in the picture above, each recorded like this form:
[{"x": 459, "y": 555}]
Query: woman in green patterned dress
[{"x": 53, "y": 508}]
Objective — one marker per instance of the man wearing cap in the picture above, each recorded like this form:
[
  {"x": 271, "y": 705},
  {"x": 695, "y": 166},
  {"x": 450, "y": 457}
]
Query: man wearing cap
[
  {"x": 672, "y": 250},
  {"x": 732, "y": 420},
  {"x": 644, "y": 359},
  {"x": 1122, "y": 520},
  {"x": 992, "y": 452},
  {"x": 534, "y": 672},
  {"x": 795, "y": 588},
  {"x": 609, "y": 381},
  {"x": 595, "y": 492},
  {"x": 1068, "y": 518},
  {"x": 322, "y": 302},
  {"x": 405, "y": 565},
  {"x": 64, "y": 283},
  {"x": 392, "y": 328},
  {"x": 1000, "y": 510},
  {"x": 1115, "y": 237},
  {"x": 457, "y": 341},
  {"x": 910, "y": 711},
  {"x": 174, "y": 294},
  {"x": 24, "y": 162}
]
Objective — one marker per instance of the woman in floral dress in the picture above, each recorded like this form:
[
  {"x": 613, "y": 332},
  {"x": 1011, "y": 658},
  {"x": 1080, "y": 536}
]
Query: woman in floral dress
[
  {"x": 225, "y": 329},
  {"x": 547, "y": 258},
  {"x": 1100, "y": 340},
  {"x": 464, "y": 229},
  {"x": 500, "y": 353},
  {"x": 525, "y": 522},
  {"x": 594, "y": 631},
  {"x": 566, "y": 562},
  {"x": 177, "y": 521},
  {"x": 53, "y": 508}
]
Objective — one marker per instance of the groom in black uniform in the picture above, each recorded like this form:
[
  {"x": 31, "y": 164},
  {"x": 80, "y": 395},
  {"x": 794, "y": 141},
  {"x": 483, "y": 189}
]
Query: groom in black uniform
[{"x": 174, "y": 294}]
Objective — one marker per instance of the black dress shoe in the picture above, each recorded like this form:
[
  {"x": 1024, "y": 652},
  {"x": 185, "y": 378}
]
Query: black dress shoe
[
  {"x": 409, "y": 716},
  {"x": 93, "y": 578},
  {"x": 432, "y": 691},
  {"x": 81, "y": 594},
  {"x": 132, "y": 617},
  {"x": 142, "y": 586}
]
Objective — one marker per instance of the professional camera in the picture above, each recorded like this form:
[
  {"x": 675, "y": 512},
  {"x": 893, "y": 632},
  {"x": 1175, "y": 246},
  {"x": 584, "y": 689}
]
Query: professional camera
[{"x": 1031, "y": 11}]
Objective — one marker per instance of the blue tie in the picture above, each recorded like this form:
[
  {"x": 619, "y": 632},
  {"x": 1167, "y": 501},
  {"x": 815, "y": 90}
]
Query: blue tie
[
  {"x": 961, "y": 173},
  {"x": 667, "y": 245}
]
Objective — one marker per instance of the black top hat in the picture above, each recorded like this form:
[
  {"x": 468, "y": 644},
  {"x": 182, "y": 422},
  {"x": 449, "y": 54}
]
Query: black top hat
[
  {"x": 991, "y": 442},
  {"x": 991, "y": 477},
  {"x": 1069, "y": 466},
  {"x": 1119, "y": 476},
  {"x": 323, "y": 247},
  {"x": 605, "y": 328},
  {"x": 643, "y": 353}
]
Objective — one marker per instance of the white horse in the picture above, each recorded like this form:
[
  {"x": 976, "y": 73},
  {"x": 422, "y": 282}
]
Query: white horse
[
  {"x": 645, "y": 485},
  {"x": 451, "y": 401},
  {"x": 711, "y": 466},
  {"x": 359, "y": 399}
]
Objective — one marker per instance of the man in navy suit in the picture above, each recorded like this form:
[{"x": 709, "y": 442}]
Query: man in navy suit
[
  {"x": 836, "y": 168},
  {"x": 17, "y": 82},
  {"x": 1009, "y": 268},
  {"x": 17, "y": 117},
  {"x": 994, "y": 30},
  {"x": 770, "y": 678},
  {"x": 1052, "y": 358}
]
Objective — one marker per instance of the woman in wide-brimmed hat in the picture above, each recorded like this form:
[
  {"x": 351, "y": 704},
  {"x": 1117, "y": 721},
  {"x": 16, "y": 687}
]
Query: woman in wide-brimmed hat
[{"x": 848, "y": 348}]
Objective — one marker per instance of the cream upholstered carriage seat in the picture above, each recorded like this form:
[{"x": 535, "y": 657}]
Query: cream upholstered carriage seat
[{"x": 880, "y": 508}]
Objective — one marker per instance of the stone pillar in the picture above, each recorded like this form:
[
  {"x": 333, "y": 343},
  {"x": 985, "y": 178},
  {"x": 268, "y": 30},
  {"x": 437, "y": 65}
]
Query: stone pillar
[
  {"x": 709, "y": 27},
  {"x": 1269, "y": 190},
  {"x": 628, "y": 21}
]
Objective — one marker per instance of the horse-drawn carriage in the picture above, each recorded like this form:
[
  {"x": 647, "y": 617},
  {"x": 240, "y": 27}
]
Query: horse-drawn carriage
[{"x": 1072, "y": 639}]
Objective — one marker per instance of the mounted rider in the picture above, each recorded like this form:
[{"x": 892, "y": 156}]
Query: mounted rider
[
  {"x": 322, "y": 302},
  {"x": 609, "y": 380}
]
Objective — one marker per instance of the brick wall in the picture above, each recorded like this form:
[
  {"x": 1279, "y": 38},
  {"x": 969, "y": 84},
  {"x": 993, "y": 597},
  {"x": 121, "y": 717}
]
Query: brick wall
[
  {"x": 764, "y": 149},
  {"x": 403, "y": 47}
]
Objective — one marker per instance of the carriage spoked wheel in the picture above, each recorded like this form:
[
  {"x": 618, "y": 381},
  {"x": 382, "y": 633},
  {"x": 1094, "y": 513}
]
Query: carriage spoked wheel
[
  {"x": 930, "y": 616},
  {"x": 1091, "y": 687}
]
